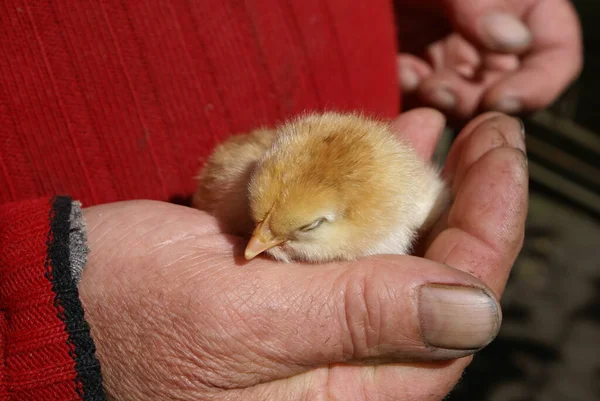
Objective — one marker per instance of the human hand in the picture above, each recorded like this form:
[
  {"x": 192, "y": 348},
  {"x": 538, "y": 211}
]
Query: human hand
[
  {"x": 176, "y": 313},
  {"x": 508, "y": 55}
]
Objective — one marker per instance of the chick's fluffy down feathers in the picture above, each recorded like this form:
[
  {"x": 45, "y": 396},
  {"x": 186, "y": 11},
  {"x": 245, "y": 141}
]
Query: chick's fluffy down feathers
[{"x": 322, "y": 187}]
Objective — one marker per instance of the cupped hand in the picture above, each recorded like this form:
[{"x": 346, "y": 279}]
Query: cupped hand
[
  {"x": 508, "y": 55},
  {"x": 176, "y": 312}
]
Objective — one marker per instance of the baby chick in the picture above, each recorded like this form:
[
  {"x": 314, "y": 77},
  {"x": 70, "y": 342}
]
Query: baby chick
[{"x": 321, "y": 187}]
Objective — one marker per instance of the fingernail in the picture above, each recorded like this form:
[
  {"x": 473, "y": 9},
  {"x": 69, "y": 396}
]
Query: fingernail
[
  {"x": 505, "y": 32},
  {"x": 409, "y": 79},
  {"x": 465, "y": 70},
  {"x": 509, "y": 105},
  {"x": 455, "y": 317},
  {"x": 442, "y": 98}
]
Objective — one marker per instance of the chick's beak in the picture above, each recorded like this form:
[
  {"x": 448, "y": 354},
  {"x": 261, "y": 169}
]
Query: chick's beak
[{"x": 261, "y": 240}]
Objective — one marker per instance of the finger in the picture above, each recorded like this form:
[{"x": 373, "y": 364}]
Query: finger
[
  {"x": 458, "y": 54},
  {"x": 452, "y": 93},
  {"x": 554, "y": 61},
  {"x": 500, "y": 62},
  {"x": 497, "y": 131},
  {"x": 418, "y": 381},
  {"x": 460, "y": 80},
  {"x": 382, "y": 309},
  {"x": 431, "y": 381},
  {"x": 422, "y": 128},
  {"x": 470, "y": 132},
  {"x": 484, "y": 133},
  {"x": 487, "y": 219},
  {"x": 411, "y": 71},
  {"x": 494, "y": 25}
]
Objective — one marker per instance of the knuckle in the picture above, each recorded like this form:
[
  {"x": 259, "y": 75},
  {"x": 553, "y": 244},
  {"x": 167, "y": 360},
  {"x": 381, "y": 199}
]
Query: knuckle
[{"x": 362, "y": 315}]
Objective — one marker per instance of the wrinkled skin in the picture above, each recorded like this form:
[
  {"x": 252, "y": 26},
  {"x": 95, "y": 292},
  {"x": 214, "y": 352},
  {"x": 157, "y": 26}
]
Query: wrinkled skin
[
  {"x": 176, "y": 316},
  {"x": 444, "y": 43}
]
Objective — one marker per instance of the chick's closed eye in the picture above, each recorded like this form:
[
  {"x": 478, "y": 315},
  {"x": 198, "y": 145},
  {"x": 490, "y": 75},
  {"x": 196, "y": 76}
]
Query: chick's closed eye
[
  {"x": 313, "y": 225},
  {"x": 322, "y": 187}
]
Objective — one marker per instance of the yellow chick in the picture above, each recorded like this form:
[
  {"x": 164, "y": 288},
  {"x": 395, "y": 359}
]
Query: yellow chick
[{"x": 322, "y": 187}]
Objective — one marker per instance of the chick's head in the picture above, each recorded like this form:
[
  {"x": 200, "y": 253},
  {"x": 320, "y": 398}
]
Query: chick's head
[
  {"x": 322, "y": 189},
  {"x": 296, "y": 224}
]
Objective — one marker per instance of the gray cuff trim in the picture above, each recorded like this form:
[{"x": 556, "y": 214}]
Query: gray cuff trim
[{"x": 78, "y": 249}]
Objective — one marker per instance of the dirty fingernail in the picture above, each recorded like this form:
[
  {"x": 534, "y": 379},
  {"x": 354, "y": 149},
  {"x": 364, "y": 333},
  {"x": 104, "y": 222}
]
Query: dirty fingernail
[
  {"x": 409, "y": 79},
  {"x": 505, "y": 32},
  {"x": 509, "y": 105},
  {"x": 455, "y": 317},
  {"x": 442, "y": 98}
]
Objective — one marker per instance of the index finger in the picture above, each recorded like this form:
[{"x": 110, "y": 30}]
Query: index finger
[
  {"x": 553, "y": 62},
  {"x": 486, "y": 223}
]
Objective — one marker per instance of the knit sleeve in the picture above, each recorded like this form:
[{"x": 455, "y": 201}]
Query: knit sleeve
[{"x": 46, "y": 351}]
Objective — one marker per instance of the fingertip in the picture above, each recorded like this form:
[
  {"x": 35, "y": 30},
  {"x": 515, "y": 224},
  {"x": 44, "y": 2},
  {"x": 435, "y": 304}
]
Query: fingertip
[
  {"x": 444, "y": 323},
  {"x": 504, "y": 32},
  {"x": 442, "y": 312},
  {"x": 424, "y": 115},
  {"x": 448, "y": 91},
  {"x": 513, "y": 97},
  {"x": 495, "y": 131},
  {"x": 411, "y": 71},
  {"x": 422, "y": 128},
  {"x": 442, "y": 97},
  {"x": 505, "y": 104},
  {"x": 479, "y": 121},
  {"x": 464, "y": 137},
  {"x": 409, "y": 80},
  {"x": 435, "y": 117}
]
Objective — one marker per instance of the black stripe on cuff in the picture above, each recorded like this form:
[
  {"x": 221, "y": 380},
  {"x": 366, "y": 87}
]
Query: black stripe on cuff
[{"x": 67, "y": 303}]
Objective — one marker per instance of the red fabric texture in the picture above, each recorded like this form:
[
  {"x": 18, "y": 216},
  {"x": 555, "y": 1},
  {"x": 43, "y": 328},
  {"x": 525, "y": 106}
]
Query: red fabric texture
[
  {"x": 115, "y": 100},
  {"x": 37, "y": 362}
]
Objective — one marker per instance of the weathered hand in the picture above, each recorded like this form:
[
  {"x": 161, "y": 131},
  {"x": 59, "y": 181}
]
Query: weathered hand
[{"x": 176, "y": 312}]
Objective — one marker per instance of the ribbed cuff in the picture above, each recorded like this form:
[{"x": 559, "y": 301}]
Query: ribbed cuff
[{"x": 48, "y": 350}]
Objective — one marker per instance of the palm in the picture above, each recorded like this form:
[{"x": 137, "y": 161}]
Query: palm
[{"x": 192, "y": 265}]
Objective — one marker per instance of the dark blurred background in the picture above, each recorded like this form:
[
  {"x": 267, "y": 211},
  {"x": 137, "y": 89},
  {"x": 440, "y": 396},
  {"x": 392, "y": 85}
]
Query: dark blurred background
[{"x": 549, "y": 345}]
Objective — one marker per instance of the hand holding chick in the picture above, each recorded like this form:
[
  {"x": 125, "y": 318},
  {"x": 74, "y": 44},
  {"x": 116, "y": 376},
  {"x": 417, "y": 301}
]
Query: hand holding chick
[
  {"x": 322, "y": 187},
  {"x": 303, "y": 332}
]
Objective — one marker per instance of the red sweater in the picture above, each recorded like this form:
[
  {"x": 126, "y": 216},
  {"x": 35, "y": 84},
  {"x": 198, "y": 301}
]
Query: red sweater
[{"x": 114, "y": 100}]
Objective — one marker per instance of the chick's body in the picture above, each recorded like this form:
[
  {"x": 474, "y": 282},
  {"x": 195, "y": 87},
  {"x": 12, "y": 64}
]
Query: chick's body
[
  {"x": 325, "y": 187},
  {"x": 223, "y": 181}
]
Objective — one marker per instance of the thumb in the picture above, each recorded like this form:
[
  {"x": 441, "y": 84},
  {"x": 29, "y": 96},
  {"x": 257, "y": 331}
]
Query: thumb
[
  {"x": 492, "y": 24},
  {"x": 380, "y": 309}
]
